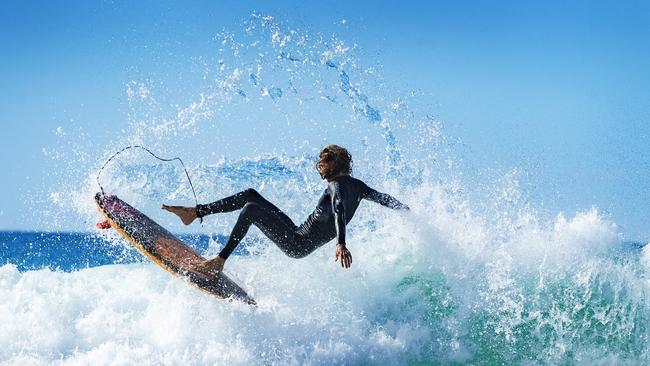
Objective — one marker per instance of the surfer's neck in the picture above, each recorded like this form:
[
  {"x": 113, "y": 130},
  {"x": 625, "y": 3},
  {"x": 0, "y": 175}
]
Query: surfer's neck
[{"x": 337, "y": 177}]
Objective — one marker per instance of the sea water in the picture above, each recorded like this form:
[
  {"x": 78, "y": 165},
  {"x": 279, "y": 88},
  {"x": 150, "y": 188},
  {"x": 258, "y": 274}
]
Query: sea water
[
  {"x": 445, "y": 291},
  {"x": 460, "y": 279}
]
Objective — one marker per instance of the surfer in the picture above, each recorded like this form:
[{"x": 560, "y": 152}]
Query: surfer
[{"x": 335, "y": 209}]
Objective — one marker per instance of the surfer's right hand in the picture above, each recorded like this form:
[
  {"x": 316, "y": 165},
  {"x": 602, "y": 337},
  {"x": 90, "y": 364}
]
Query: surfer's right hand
[
  {"x": 344, "y": 255},
  {"x": 185, "y": 213}
]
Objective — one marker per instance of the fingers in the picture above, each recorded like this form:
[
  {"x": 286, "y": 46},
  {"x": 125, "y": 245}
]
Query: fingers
[
  {"x": 348, "y": 260},
  {"x": 345, "y": 257}
]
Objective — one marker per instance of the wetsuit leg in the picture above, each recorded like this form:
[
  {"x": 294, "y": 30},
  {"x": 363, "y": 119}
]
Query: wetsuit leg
[
  {"x": 274, "y": 223},
  {"x": 231, "y": 203}
]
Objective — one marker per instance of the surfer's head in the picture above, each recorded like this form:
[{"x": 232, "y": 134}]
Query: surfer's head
[{"x": 334, "y": 161}]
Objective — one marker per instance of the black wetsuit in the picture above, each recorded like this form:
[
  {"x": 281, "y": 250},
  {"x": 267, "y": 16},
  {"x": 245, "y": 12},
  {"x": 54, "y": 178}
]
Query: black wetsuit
[{"x": 335, "y": 209}]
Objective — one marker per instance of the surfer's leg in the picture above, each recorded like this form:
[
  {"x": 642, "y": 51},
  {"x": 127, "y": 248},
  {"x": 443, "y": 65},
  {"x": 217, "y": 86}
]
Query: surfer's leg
[
  {"x": 276, "y": 225},
  {"x": 230, "y": 203}
]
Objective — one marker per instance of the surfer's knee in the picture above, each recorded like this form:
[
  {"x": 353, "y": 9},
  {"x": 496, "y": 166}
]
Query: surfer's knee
[
  {"x": 252, "y": 195},
  {"x": 250, "y": 211}
]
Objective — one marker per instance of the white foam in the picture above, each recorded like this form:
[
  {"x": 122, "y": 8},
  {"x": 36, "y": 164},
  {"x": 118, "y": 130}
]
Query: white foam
[{"x": 417, "y": 280}]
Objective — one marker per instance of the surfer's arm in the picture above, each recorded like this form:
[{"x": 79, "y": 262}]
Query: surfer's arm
[
  {"x": 384, "y": 199},
  {"x": 338, "y": 207}
]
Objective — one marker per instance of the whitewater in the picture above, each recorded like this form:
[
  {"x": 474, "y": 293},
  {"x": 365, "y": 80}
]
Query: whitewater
[{"x": 464, "y": 278}]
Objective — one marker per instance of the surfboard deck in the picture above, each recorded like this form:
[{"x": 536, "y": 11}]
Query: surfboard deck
[{"x": 165, "y": 249}]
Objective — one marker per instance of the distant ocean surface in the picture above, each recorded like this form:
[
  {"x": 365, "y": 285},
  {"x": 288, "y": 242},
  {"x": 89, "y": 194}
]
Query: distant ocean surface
[
  {"x": 68, "y": 251},
  {"x": 73, "y": 251}
]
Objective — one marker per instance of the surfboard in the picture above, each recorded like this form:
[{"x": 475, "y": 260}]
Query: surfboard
[{"x": 165, "y": 249}]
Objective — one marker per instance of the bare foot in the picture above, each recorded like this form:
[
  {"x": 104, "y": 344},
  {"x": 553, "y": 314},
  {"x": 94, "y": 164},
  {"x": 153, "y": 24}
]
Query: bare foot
[
  {"x": 212, "y": 266},
  {"x": 186, "y": 214}
]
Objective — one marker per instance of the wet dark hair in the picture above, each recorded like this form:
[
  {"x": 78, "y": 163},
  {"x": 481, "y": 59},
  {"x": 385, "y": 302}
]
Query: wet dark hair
[{"x": 333, "y": 161}]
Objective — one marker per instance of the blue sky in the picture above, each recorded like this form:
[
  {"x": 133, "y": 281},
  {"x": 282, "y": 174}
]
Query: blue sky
[{"x": 559, "y": 89}]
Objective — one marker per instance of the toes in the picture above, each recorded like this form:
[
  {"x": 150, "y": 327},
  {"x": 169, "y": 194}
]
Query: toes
[
  {"x": 172, "y": 209},
  {"x": 169, "y": 208}
]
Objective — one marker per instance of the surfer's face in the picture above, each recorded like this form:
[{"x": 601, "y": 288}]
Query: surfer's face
[{"x": 323, "y": 167}]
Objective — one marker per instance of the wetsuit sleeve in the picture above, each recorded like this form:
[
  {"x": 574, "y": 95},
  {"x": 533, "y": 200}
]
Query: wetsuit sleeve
[
  {"x": 384, "y": 199},
  {"x": 338, "y": 207}
]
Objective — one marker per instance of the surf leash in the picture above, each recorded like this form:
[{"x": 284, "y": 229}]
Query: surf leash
[{"x": 196, "y": 201}]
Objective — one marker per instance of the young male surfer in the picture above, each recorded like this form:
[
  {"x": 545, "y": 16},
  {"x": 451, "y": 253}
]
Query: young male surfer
[{"x": 335, "y": 209}]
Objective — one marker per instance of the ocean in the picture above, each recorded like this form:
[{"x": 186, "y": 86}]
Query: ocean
[
  {"x": 476, "y": 273},
  {"x": 569, "y": 294}
]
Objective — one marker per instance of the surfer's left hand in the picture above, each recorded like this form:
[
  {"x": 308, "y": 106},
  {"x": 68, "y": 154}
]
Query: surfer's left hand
[{"x": 344, "y": 255}]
